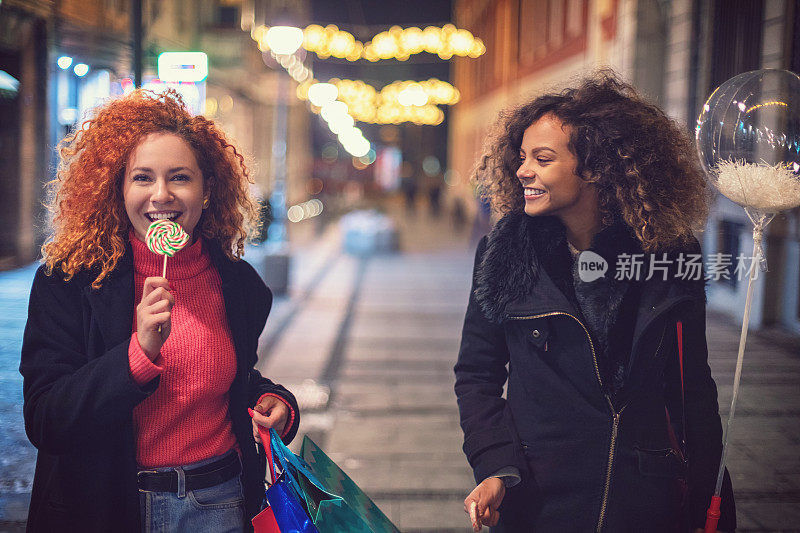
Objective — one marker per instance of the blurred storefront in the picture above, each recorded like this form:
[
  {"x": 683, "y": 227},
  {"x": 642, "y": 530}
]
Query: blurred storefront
[
  {"x": 59, "y": 59},
  {"x": 676, "y": 53},
  {"x": 24, "y": 31}
]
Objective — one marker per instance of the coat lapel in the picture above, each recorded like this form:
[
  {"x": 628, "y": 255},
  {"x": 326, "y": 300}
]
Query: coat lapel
[
  {"x": 543, "y": 297},
  {"x": 233, "y": 296},
  {"x": 112, "y": 303}
]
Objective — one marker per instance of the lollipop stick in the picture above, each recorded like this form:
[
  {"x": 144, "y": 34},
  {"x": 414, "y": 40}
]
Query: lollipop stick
[{"x": 163, "y": 275}]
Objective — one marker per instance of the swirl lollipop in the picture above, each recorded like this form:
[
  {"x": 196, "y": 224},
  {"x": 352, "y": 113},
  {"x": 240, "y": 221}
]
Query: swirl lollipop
[{"x": 165, "y": 237}]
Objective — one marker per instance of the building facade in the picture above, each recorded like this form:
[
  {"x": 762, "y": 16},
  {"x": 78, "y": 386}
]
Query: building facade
[
  {"x": 675, "y": 52},
  {"x": 25, "y": 29}
]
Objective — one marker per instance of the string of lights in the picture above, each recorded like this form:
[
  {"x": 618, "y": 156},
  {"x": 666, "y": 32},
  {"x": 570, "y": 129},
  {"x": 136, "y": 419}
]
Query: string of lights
[
  {"x": 400, "y": 101},
  {"x": 395, "y": 43}
]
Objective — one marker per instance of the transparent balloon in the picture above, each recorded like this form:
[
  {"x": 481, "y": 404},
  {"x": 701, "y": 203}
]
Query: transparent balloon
[{"x": 748, "y": 140}]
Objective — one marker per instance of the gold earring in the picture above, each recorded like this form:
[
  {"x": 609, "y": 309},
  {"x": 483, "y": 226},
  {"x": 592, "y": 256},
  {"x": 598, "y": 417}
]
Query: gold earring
[{"x": 205, "y": 203}]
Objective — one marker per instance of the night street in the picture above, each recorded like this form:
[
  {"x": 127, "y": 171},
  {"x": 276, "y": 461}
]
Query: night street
[{"x": 356, "y": 153}]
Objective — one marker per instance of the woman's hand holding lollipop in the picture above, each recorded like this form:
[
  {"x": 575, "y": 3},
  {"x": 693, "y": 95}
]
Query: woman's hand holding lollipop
[
  {"x": 153, "y": 316},
  {"x": 154, "y": 312}
]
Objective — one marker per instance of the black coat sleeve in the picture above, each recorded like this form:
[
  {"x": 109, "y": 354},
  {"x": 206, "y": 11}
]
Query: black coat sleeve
[
  {"x": 260, "y": 303},
  {"x": 71, "y": 401},
  {"x": 489, "y": 434},
  {"x": 703, "y": 431}
]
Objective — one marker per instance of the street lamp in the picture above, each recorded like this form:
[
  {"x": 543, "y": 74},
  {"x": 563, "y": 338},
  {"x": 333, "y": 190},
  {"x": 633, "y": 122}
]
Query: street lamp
[
  {"x": 64, "y": 62},
  {"x": 81, "y": 69}
]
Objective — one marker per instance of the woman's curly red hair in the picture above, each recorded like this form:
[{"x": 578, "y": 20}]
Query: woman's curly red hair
[
  {"x": 90, "y": 224},
  {"x": 642, "y": 162}
]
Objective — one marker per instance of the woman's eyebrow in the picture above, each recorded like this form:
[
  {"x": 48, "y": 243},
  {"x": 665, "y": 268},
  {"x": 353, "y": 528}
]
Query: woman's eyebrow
[
  {"x": 539, "y": 149},
  {"x": 170, "y": 171}
]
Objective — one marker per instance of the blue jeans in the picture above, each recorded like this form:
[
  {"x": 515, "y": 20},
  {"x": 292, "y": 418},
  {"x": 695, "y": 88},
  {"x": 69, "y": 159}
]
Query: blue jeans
[{"x": 217, "y": 509}]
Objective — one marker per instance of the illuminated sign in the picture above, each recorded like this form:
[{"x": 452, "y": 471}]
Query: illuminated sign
[{"x": 182, "y": 66}]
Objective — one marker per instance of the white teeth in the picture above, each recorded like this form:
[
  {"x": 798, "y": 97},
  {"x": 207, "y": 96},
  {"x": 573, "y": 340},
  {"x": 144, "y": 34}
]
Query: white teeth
[
  {"x": 534, "y": 192},
  {"x": 162, "y": 216}
]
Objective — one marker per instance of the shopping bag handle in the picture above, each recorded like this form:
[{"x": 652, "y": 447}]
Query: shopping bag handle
[
  {"x": 266, "y": 443},
  {"x": 294, "y": 468}
]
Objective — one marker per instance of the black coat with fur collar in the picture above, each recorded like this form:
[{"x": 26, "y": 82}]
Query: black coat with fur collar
[{"x": 591, "y": 455}]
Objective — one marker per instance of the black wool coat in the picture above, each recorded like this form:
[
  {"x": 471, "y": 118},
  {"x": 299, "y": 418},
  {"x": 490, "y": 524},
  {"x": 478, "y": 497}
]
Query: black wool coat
[
  {"x": 591, "y": 457},
  {"x": 79, "y": 395}
]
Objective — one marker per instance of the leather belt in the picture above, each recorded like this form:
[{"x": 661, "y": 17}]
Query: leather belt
[{"x": 201, "y": 477}]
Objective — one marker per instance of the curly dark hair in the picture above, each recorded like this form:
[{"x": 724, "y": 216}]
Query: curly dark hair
[
  {"x": 90, "y": 224},
  {"x": 642, "y": 162}
]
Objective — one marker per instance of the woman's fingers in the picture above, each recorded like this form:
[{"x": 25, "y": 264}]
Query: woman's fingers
[
  {"x": 153, "y": 283},
  {"x": 490, "y": 517},
  {"x": 482, "y": 503},
  {"x": 161, "y": 306},
  {"x": 273, "y": 413},
  {"x": 275, "y": 419},
  {"x": 158, "y": 294},
  {"x": 256, "y": 434},
  {"x": 475, "y": 508}
]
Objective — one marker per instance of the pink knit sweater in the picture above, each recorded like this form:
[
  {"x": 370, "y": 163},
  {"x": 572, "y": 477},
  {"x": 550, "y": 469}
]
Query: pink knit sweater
[{"x": 186, "y": 419}]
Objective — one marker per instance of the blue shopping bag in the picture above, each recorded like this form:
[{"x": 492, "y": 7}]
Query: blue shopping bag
[
  {"x": 284, "y": 509},
  {"x": 330, "y": 498}
]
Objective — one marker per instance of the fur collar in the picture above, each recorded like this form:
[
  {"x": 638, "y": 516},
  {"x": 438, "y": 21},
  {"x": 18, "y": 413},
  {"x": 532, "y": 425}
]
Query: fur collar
[{"x": 520, "y": 247}]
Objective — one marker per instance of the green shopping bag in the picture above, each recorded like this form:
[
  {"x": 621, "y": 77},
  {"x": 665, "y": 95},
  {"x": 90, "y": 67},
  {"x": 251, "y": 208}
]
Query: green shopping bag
[
  {"x": 354, "y": 512},
  {"x": 333, "y": 501}
]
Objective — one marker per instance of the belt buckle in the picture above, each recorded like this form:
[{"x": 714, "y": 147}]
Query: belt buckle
[{"x": 139, "y": 479}]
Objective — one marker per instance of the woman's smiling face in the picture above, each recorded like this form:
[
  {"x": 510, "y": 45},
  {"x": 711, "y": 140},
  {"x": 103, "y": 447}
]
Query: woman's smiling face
[
  {"x": 547, "y": 171},
  {"x": 163, "y": 180}
]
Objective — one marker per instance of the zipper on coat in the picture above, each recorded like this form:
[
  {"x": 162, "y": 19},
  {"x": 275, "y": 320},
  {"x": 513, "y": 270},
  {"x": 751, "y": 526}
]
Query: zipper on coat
[
  {"x": 610, "y": 468},
  {"x": 589, "y": 337},
  {"x": 615, "y": 415}
]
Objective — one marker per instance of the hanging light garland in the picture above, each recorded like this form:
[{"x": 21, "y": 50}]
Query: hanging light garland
[
  {"x": 343, "y": 102},
  {"x": 395, "y": 43},
  {"x": 400, "y": 101}
]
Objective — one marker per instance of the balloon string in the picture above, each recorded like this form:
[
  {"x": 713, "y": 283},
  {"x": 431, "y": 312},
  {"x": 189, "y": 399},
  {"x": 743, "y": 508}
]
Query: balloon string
[
  {"x": 760, "y": 221},
  {"x": 739, "y": 360}
]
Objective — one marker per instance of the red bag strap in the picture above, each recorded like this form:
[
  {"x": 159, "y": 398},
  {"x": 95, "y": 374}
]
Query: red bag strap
[
  {"x": 266, "y": 443},
  {"x": 679, "y": 327}
]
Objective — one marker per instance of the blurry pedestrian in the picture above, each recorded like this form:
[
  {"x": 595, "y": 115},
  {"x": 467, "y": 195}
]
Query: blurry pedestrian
[
  {"x": 591, "y": 434},
  {"x": 136, "y": 388},
  {"x": 458, "y": 216},
  {"x": 408, "y": 184},
  {"x": 435, "y": 195}
]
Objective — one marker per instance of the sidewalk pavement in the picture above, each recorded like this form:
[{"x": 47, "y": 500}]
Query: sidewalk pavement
[
  {"x": 368, "y": 345},
  {"x": 18, "y": 457}
]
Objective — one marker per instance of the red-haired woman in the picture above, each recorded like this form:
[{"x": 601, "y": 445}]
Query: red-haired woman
[
  {"x": 591, "y": 182},
  {"x": 136, "y": 388}
]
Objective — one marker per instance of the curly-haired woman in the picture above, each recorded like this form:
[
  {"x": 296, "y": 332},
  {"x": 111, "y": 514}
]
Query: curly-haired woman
[
  {"x": 578, "y": 292},
  {"x": 137, "y": 388}
]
